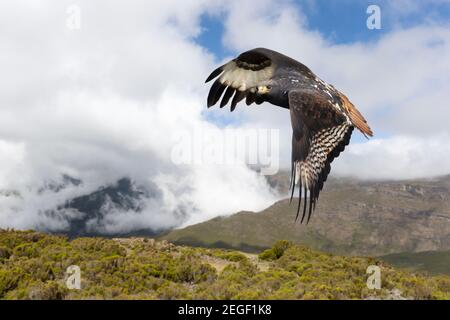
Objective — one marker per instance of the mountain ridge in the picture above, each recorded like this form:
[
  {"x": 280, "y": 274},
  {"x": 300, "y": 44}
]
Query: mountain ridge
[{"x": 353, "y": 218}]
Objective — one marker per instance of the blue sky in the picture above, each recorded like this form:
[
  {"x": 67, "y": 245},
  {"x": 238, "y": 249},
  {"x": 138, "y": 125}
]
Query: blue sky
[
  {"x": 109, "y": 98},
  {"x": 341, "y": 21}
]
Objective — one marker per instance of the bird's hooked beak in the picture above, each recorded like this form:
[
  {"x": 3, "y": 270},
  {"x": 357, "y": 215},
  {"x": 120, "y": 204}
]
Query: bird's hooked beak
[{"x": 263, "y": 89}]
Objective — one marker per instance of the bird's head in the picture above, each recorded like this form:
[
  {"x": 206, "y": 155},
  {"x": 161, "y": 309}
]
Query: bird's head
[
  {"x": 272, "y": 92},
  {"x": 264, "y": 89}
]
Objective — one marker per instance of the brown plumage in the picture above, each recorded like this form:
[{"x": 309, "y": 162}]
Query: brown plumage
[
  {"x": 322, "y": 118},
  {"x": 356, "y": 117}
]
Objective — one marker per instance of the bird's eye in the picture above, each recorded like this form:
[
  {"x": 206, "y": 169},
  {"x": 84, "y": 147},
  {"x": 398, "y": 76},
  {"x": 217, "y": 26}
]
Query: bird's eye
[{"x": 269, "y": 87}]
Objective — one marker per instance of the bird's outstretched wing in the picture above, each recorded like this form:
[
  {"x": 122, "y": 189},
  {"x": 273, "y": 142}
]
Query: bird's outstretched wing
[
  {"x": 239, "y": 77},
  {"x": 320, "y": 133}
]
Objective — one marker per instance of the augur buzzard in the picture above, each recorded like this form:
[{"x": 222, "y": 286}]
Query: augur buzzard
[{"x": 322, "y": 118}]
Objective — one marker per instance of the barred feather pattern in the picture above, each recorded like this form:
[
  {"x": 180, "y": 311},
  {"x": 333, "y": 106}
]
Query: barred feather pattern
[{"x": 311, "y": 173}]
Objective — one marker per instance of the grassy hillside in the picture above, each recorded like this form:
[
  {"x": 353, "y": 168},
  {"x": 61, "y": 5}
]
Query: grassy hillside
[
  {"x": 432, "y": 261},
  {"x": 352, "y": 218},
  {"x": 32, "y": 266}
]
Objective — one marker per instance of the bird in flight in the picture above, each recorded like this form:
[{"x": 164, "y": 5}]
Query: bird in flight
[{"x": 322, "y": 118}]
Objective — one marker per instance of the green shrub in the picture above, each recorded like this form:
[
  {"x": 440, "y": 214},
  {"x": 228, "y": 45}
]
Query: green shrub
[
  {"x": 268, "y": 254},
  {"x": 9, "y": 279},
  {"x": 231, "y": 256},
  {"x": 33, "y": 265},
  {"x": 276, "y": 251},
  {"x": 49, "y": 290},
  {"x": 5, "y": 253},
  {"x": 26, "y": 250}
]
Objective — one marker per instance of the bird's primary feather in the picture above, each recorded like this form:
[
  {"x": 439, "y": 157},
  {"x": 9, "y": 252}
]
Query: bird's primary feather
[{"x": 322, "y": 118}]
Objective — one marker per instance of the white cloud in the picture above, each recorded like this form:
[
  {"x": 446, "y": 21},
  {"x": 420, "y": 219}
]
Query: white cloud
[
  {"x": 399, "y": 157},
  {"x": 399, "y": 83},
  {"x": 105, "y": 102}
]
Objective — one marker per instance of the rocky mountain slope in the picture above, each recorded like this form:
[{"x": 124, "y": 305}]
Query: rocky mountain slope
[
  {"x": 436, "y": 262},
  {"x": 86, "y": 213},
  {"x": 352, "y": 217},
  {"x": 125, "y": 195}
]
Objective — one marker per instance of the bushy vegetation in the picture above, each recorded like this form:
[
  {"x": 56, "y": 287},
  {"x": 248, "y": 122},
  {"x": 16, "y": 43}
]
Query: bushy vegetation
[
  {"x": 276, "y": 251},
  {"x": 33, "y": 266}
]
